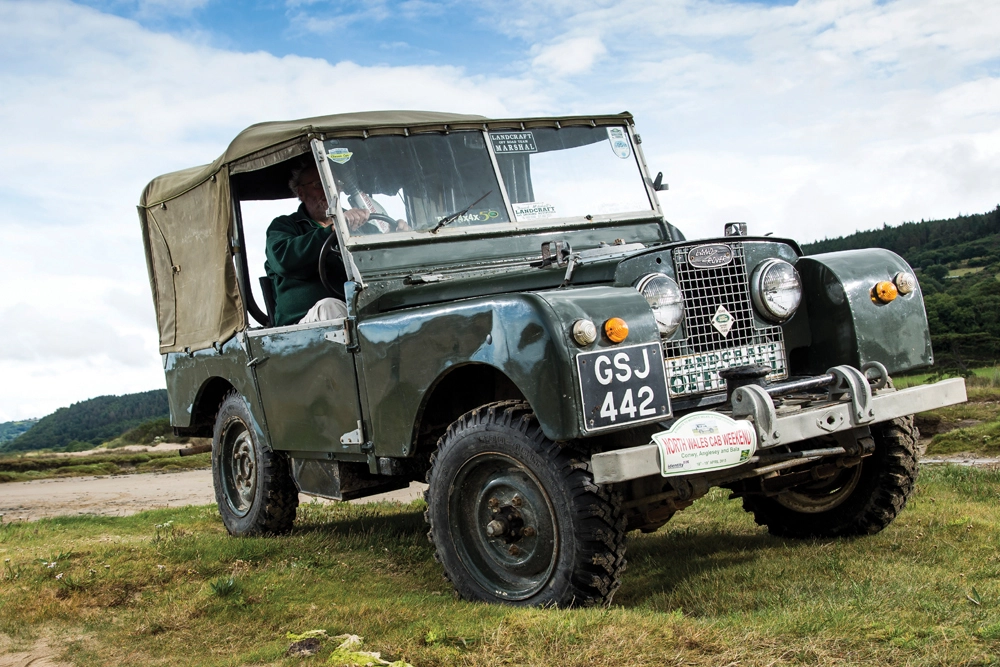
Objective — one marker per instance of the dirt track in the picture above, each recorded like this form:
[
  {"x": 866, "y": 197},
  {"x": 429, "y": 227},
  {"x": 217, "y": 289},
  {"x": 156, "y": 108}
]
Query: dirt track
[{"x": 126, "y": 494}]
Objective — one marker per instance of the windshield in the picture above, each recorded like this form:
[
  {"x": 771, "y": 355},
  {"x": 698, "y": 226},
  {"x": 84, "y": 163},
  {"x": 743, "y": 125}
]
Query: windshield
[
  {"x": 570, "y": 172},
  {"x": 424, "y": 183},
  {"x": 413, "y": 183}
]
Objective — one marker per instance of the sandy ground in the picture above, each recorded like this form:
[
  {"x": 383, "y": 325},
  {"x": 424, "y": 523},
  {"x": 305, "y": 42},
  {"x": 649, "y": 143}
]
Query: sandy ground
[
  {"x": 126, "y": 494},
  {"x": 41, "y": 654}
]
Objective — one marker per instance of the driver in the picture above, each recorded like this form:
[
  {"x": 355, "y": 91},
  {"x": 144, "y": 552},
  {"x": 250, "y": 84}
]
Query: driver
[{"x": 293, "y": 245}]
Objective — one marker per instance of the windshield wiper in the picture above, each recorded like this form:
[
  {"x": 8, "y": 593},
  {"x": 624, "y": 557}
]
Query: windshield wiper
[{"x": 458, "y": 214}]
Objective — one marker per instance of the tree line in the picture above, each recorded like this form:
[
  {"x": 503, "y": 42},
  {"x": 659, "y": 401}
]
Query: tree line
[
  {"x": 957, "y": 262},
  {"x": 88, "y": 423}
]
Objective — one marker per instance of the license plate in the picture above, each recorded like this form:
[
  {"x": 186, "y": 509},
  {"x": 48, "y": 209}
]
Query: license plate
[
  {"x": 698, "y": 373},
  {"x": 623, "y": 385}
]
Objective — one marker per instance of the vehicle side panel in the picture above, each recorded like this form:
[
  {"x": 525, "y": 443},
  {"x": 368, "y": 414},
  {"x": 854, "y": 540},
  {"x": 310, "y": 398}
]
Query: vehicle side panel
[
  {"x": 308, "y": 388},
  {"x": 187, "y": 376},
  {"x": 526, "y": 337}
]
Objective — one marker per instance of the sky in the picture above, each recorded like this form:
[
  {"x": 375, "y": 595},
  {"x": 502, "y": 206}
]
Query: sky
[{"x": 807, "y": 119}]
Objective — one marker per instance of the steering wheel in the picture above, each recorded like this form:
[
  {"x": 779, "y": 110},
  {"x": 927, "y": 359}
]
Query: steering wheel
[
  {"x": 329, "y": 246},
  {"x": 377, "y": 216}
]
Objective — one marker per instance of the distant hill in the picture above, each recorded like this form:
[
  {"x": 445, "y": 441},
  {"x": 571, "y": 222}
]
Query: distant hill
[
  {"x": 928, "y": 242},
  {"x": 10, "y": 430},
  {"x": 91, "y": 422},
  {"x": 958, "y": 265}
]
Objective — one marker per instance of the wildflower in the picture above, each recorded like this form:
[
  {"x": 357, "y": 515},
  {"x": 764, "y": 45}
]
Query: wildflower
[
  {"x": 59, "y": 576},
  {"x": 50, "y": 565},
  {"x": 160, "y": 568}
]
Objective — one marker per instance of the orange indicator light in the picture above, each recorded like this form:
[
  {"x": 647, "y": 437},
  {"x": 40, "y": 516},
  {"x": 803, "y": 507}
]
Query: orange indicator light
[
  {"x": 616, "y": 329},
  {"x": 885, "y": 292}
]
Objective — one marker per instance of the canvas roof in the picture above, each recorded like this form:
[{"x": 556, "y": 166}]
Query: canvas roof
[{"x": 186, "y": 215}]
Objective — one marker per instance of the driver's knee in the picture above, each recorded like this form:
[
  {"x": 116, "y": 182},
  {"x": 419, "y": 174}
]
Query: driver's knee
[{"x": 325, "y": 309}]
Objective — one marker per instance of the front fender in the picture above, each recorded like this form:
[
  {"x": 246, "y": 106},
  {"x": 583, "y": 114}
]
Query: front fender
[
  {"x": 848, "y": 327},
  {"x": 525, "y": 336}
]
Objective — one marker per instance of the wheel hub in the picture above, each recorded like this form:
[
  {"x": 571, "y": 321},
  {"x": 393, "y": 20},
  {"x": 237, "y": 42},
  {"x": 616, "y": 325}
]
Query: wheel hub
[
  {"x": 504, "y": 523},
  {"x": 243, "y": 466},
  {"x": 238, "y": 460},
  {"x": 507, "y": 523}
]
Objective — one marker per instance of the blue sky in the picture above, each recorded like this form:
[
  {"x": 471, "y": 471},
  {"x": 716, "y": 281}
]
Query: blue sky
[
  {"x": 430, "y": 34},
  {"x": 807, "y": 119}
]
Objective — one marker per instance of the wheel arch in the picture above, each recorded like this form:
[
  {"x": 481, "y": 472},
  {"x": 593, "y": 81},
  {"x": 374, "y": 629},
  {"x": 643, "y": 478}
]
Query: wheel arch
[
  {"x": 206, "y": 404},
  {"x": 456, "y": 391}
]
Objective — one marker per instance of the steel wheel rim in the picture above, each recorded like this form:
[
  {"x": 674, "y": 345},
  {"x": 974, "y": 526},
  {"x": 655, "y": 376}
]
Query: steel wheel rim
[
  {"x": 824, "y": 496},
  {"x": 509, "y": 574},
  {"x": 238, "y": 460}
]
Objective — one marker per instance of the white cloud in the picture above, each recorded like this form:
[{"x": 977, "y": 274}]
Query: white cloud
[{"x": 568, "y": 57}]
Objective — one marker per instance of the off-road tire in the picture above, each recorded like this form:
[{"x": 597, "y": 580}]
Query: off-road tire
[
  {"x": 498, "y": 451},
  {"x": 253, "y": 486},
  {"x": 882, "y": 485}
]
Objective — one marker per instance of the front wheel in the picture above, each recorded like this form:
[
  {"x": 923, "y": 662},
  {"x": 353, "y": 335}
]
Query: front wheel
[
  {"x": 515, "y": 519},
  {"x": 253, "y": 487},
  {"x": 861, "y": 500}
]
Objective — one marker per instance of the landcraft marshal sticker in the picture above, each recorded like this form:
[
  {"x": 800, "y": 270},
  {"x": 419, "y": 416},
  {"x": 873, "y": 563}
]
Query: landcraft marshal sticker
[
  {"x": 513, "y": 142},
  {"x": 704, "y": 441}
]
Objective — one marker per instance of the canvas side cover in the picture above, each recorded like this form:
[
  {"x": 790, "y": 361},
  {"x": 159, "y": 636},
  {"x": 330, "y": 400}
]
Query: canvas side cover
[{"x": 191, "y": 271}]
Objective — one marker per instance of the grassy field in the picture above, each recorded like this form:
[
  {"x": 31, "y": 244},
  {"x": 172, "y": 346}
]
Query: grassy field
[
  {"x": 971, "y": 427},
  {"x": 711, "y": 588},
  {"x": 24, "y": 468}
]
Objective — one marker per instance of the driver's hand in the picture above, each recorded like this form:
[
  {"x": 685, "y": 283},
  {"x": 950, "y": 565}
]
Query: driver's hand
[
  {"x": 402, "y": 226},
  {"x": 356, "y": 217}
]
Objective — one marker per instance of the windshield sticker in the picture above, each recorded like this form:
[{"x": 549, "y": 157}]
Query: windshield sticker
[
  {"x": 619, "y": 142},
  {"x": 513, "y": 142},
  {"x": 533, "y": 210},
  {"x": 477, "y": 216},
  {"x": 340, "y": 155},
  {"x": 703, "y": 441}
]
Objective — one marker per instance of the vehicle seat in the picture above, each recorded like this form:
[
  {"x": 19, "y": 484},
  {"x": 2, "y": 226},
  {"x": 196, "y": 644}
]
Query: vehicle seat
[{"x": 267, "y": 289}]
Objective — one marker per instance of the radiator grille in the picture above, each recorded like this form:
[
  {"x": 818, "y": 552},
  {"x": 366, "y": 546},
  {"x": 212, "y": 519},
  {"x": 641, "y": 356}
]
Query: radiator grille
[{"x": 693, "y": 364}]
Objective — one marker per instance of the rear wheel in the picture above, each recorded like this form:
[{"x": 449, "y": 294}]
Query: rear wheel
[
  {"x": 514, "y": 518},
  {"x": 861, "y": 500},
  {"x": 253, "y": 487}
]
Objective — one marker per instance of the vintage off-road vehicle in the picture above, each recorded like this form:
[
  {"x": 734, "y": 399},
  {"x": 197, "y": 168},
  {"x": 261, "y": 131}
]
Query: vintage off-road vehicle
[{"x": 537, "y": 342}]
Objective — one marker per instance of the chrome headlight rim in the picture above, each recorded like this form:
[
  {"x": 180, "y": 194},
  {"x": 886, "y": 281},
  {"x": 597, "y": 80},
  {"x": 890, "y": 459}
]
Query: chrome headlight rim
[
  {"x": 670, "y": 322},
  {"x": 762, "y": 305}
]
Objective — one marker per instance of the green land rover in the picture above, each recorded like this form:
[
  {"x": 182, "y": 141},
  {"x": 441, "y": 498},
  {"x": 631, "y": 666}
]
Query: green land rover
[{"x": 536, "y": 342}]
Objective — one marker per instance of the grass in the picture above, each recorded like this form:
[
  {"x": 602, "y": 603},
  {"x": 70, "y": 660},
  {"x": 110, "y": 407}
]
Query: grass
[
  {"x": 25, "y": 468},
  {"x": 711, "y": 588},
  {"x": 986, "y": 377},
  {"x": 967, "y": 428}
]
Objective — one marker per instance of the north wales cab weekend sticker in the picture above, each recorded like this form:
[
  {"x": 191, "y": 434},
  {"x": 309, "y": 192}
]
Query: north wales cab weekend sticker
[{"x": 703, "y": 441}]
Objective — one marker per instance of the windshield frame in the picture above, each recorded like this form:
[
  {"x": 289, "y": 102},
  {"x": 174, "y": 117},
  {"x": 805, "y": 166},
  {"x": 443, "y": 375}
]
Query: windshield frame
[{"x": 349, "y": 241}]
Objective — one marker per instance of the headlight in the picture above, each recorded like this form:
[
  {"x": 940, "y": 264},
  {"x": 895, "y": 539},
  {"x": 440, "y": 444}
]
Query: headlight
[
  {"x": 664, "y": 297},
  {"x": 776, "y": 289}
]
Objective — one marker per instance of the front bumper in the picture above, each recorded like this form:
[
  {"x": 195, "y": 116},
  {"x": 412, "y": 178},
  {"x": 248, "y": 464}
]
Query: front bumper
[{"x": 858, "y": 406}]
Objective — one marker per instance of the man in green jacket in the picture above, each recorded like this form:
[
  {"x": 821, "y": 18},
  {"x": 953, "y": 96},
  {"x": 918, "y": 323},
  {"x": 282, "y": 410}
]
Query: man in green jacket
[{"x": 293, "y": 245}]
